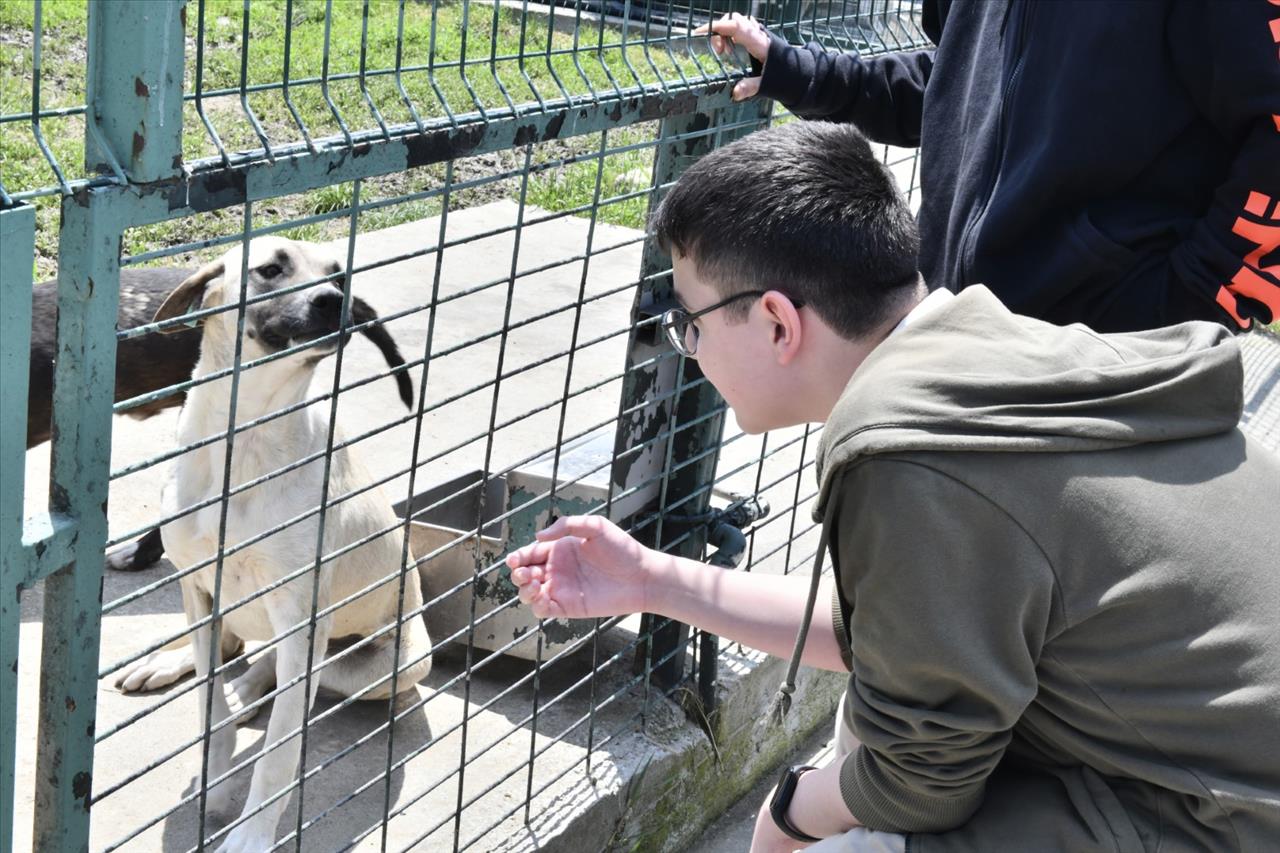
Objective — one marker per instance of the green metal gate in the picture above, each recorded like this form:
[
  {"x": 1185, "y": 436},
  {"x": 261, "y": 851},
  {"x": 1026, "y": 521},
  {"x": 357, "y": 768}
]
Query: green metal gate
[{"x": 204, "y": 125}]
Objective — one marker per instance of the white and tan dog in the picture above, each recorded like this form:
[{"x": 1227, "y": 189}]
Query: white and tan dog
[{"x": 285, "y": 610}]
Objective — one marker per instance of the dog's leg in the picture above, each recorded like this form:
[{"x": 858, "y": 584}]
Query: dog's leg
[
  {"x": 248, "y": 688},
  {"x": 278, "y": 768},
  {"x": 371, "y": 663},
  {"x": 223, "y": 741},
  {"x": 138, "y": 554},
  {"x": 168, "y": 664},
  {"x": 349, "y": 673}
]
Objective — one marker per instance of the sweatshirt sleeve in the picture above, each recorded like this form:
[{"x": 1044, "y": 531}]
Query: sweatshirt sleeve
[
  {"x": 1228, "y": 58},
  {"x": 951, "y": 606},
  {"x": 883, "y": 96}
]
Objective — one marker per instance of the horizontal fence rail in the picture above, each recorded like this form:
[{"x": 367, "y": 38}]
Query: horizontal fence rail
[
  {"x": 460, "y": 190},
  {"x": 264, "y": 80}
]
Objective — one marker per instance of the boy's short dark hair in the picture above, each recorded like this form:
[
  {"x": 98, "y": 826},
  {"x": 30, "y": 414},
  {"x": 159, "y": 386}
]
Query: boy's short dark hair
[{"x": 805, "y": 209}]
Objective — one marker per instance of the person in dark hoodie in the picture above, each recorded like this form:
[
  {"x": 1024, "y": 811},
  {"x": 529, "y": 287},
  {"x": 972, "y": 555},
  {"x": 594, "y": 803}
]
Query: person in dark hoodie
[
  {"x": 1054, "y": 551},
  {"x": 1116, "y": 164}
]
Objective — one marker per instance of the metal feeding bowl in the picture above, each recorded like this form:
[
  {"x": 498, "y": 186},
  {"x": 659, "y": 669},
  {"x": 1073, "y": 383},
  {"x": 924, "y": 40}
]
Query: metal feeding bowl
[{"x": 462, "y": 531}]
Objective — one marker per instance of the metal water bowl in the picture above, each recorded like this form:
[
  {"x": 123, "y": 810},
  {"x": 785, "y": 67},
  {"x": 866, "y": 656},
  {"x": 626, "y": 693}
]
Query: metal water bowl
[{"x": 463, "y": 542}]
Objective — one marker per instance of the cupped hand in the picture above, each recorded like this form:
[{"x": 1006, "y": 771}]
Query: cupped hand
[
  {"x": 732, "y": 29},
  {"x": 581, "y": 567}
]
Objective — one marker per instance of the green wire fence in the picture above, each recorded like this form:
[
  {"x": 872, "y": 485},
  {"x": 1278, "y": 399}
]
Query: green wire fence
[{"x": 481, "y": 172}]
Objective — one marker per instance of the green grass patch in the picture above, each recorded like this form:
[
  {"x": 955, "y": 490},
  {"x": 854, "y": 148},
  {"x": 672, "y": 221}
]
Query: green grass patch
[{"x": 624, "y": 174}]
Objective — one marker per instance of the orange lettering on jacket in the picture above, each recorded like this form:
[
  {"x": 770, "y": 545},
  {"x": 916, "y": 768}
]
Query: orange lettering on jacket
[
  {"x": 1254, "y": 280},
  {"x": 1275, "y": 36}
]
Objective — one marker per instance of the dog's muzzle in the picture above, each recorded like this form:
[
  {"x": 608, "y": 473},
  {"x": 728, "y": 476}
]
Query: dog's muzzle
[
  {"x": 319, "y": 313},
  {"x": 308, "y": 317}
]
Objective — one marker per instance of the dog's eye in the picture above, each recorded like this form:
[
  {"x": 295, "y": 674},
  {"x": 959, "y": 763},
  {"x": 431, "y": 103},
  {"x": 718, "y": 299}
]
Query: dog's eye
[{"x": 269, "y": 271}]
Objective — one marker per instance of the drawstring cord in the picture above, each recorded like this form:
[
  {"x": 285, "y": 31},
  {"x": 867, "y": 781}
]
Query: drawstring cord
[{"x": 782, "y": 702}]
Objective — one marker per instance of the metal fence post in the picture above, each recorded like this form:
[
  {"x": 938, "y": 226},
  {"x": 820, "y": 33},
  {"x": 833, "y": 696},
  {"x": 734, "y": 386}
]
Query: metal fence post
[
  {"x": 83, "y": 386},
  {"x": 17, "y": 246},
  {"x": 135, "y": 95},
  {"x": 652, "y": 373}
]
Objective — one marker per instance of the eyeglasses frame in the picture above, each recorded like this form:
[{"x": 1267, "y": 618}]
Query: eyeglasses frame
[{"x": 679, "y": 316}]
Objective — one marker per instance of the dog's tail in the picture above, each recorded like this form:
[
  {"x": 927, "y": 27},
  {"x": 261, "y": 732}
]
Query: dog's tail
[{"x": 362, "y": 312}]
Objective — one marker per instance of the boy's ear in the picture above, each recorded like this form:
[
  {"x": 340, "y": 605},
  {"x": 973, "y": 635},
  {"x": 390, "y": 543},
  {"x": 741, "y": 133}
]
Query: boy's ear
[{"x": 788, "y": 332}]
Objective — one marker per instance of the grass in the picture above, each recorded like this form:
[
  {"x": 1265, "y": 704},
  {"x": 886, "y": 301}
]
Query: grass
[
  {"x": 490, "y": 38},
  {"x": 625, "y": 176}
]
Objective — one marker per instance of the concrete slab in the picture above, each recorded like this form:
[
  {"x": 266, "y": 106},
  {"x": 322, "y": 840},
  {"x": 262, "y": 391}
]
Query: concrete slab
[{"x": 593, "y": 735}]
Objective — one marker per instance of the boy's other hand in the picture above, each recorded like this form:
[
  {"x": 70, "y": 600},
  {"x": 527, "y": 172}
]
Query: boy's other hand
[
  {"x": 581, "y": 567},
  {"x": 739, "y": 29}
]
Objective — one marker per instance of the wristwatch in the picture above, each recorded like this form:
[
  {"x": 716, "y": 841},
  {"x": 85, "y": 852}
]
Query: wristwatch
[{"x": 781, "y": 801}]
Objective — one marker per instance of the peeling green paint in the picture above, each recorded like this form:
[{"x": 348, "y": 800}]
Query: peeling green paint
[
  {"x": 496, "y": 588},
  {"x": 535, "y": 511}
]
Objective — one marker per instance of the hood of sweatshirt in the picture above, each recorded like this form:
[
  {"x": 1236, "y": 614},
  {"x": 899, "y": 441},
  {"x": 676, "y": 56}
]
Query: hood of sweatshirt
[{"x": 973, "y": 376}]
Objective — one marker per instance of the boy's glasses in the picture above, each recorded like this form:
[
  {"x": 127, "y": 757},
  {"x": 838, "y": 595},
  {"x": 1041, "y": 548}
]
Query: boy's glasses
[{"x": 683, "y": 334}]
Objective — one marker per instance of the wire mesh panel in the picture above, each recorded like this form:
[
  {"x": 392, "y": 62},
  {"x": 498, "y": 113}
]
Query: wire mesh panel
[{"x": 389, "y": 258}]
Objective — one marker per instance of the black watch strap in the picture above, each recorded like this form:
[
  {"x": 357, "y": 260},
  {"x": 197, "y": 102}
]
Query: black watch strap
[{"x": 781, "y": 802}]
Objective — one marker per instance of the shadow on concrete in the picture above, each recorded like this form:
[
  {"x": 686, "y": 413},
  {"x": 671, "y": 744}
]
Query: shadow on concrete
[
  {"x": 116, "y": 585},
  {"x": 351, "y": 754}
]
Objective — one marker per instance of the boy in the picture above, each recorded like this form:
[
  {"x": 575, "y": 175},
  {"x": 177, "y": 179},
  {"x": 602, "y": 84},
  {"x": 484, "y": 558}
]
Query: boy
[{"x": 1055, "y": 555}]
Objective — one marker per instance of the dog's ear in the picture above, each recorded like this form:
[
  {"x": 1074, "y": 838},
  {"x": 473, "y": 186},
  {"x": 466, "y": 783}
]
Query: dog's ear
[
  {"x": 362, "y": 312},
  {"x": 336, "y": 269},
  {"x": 186, "y": 296}
]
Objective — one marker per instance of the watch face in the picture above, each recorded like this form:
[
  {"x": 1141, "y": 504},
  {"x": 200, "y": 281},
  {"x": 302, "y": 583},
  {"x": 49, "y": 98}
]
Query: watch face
[{"x": 783, "y": 790}]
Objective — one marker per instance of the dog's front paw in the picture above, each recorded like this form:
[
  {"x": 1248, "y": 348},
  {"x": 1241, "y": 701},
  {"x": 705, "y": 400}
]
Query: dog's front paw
[
  {"x": 156, "y": 670},
  {"x": 243, "y": 692},
  {"x": 249, "y": 837},
  {"x": 218, "y": 800}
]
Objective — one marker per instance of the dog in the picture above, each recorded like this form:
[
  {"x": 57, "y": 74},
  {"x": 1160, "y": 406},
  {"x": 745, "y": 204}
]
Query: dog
[
  {"x": 272, "y": 326},
  {"x": 146, "y": 364}
]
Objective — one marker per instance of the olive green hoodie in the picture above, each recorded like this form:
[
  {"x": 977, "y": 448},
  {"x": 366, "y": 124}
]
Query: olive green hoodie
[{"x": 1058, "y": 571}]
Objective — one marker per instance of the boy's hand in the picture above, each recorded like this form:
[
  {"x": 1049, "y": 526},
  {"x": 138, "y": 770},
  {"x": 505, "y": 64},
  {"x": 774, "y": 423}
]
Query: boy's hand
[
  {"x": 584, "y": 566},
  {"x": 739, "y": 29}
]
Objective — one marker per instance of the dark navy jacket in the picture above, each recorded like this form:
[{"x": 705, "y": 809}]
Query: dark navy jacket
[{"x": 1111, "y": 163}]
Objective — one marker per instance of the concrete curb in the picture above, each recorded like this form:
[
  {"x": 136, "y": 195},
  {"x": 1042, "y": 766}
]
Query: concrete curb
[
  {"x": 676, "y": 783},
  {"x": 697, "y": 786}
]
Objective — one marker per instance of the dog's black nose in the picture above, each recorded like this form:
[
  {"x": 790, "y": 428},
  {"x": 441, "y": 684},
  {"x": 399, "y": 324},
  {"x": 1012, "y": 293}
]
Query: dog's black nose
[{"x": 327, "y": 302}]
